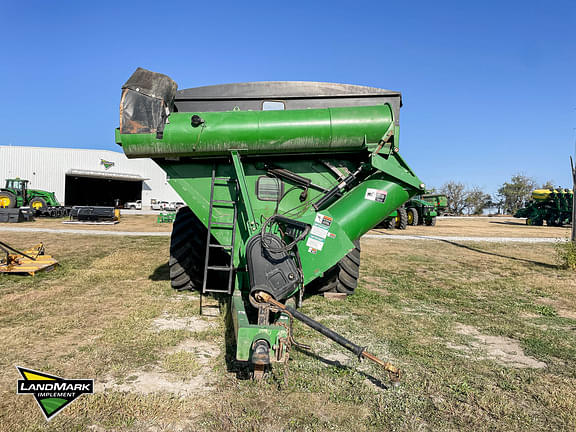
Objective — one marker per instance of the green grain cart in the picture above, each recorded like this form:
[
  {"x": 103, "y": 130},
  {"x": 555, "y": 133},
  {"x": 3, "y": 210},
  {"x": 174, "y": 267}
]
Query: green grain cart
[
  {"x": 16, "y": 194},
  {"x": 553, "y": 206},
  {"x": 281, "y": 179}
]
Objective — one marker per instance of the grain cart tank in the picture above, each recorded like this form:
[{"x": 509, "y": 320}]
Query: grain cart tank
[
  {"x": 551, "y": 205},
  {"x": 280, "y": 179}
]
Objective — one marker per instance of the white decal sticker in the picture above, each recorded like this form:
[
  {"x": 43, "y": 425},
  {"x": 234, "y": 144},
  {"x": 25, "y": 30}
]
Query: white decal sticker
[
  {"x": 315, "y": 243},
  {"x": 377, "y": 195},
  {"x": 319, "y": 232}
]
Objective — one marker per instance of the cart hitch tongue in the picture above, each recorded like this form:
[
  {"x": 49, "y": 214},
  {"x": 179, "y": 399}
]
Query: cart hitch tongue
[{"x": 393, "y": 372}]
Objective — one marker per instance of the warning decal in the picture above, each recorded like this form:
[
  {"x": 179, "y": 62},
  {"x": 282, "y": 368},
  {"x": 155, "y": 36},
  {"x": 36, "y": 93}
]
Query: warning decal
[
  {"x": 319, "y": 232},
  {"x": 377, "y": 195}
]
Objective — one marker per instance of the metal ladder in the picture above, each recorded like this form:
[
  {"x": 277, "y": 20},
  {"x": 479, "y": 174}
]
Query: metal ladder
[{"x": 216, "y": 225}]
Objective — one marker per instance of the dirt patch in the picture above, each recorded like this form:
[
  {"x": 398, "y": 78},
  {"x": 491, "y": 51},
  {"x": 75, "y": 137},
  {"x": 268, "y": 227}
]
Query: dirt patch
[
  {"x": 503, "y": 350},
  {"x": 205, "y": 352},
  {"x": 158, "y": 380},
  {"x": 193, "y": 324},
  {"x": 154, "y": 381},
  {"x": 185, "y": 297}
]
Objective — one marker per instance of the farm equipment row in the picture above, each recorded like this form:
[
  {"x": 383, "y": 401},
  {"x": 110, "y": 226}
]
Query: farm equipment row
[
  {"x": 553, "y": 206},
  {"x": 277, "y": 200}
]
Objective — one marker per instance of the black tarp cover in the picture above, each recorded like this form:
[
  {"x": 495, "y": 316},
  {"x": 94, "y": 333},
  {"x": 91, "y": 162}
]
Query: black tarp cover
[{"x": 147, "y": 99}]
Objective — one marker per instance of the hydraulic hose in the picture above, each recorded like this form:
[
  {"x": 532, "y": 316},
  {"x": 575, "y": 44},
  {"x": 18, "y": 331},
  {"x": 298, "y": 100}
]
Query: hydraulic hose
[{"x": 336, "y": 190}]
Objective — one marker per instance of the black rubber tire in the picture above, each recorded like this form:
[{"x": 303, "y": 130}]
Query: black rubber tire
[
  {"x": 401, "y": 219},
  {"x": 187, "y": 251},
  {"x": 10, "y": 196},
  {"x": 343, "y": 277},
  {"x": 414, "y": 214},
  {"x": 43, "y": 205},
  {"x": 431, "y": 221},
  {"x": 389, "y": 223}
]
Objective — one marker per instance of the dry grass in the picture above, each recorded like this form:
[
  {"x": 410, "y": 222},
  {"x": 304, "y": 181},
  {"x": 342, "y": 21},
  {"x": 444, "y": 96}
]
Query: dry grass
[
  {"x": 482, "y": 227},
  {"x": 105, "y": 314}
]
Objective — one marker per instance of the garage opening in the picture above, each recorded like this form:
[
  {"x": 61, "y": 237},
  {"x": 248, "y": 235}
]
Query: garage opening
[{"x": 100, "y": 191}]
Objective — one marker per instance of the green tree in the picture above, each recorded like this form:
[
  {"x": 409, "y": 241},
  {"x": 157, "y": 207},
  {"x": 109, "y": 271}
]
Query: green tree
[
  {"x": 548, "y": 185},
  {"x": 456, "y": 194},
  {"x": 477, "y": 200},
  {"x": 516, "y": 192}
]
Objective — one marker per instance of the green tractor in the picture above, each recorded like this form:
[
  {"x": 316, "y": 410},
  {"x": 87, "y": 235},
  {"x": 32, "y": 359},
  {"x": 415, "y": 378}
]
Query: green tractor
[
  {"x": 16, "y": 194},
  {"x": 398, "y": 219},
  {"x": 280, "y": 181},
  {"x": 419, "y": 210},
  {"x": 551, "y": 206}
]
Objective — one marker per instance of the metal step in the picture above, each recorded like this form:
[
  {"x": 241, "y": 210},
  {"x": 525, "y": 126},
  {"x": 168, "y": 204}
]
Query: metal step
[
  {"x": 210, "y": 290},
  {"x": 220, "y": 268},
  {"x": 213, "y": 245},
  {"x": 222, "y": 224}
]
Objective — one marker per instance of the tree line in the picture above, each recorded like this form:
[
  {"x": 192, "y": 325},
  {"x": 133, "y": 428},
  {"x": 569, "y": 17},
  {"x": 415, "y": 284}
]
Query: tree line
[{"x": 511, "y": 196}]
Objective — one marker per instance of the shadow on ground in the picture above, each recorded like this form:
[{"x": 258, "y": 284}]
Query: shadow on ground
[
  {"x": 510, "y": 223},
  {"x": 378, "y": 383},
  {"x": 524, "y": 260},
  {"x": 161, "y": 273}
]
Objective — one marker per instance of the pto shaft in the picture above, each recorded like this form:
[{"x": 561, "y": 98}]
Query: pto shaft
[{"x": 331, "y": 334}]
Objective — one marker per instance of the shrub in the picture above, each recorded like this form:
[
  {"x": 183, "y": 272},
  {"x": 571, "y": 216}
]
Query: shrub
[{"x": 566, "y": 254}]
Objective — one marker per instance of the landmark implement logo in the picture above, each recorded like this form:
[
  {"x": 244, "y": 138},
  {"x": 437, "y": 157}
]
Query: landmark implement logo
[
  {"x": 107, "y": 164},
  {"x": 52, "y": 393}
]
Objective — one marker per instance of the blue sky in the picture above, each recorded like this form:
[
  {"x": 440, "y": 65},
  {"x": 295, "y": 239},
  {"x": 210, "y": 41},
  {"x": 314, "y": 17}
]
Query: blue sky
[{"x": 489, "y": 87}]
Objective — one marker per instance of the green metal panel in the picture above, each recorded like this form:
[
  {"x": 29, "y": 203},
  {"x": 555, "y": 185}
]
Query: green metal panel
[
  {"x": 352, "y": 215},
  {"x": 264, "y": 132},
  {"x": 247, "y": 334},
  {"x": 49, "y": 197}
]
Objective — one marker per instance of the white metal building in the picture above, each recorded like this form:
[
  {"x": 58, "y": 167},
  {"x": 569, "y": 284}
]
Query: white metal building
[{"x": 86, "y": 177}]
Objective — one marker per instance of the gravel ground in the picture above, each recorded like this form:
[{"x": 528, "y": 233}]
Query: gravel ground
[
  {"x": 476, "y": 239},
  {"x": 88, "y": 232},
  {"x": 372, "y": 236}
]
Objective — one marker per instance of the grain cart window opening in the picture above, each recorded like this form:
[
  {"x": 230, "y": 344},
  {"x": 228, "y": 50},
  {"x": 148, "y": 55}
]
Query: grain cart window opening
[
  {"x": 273, "y": 106},
  {"x": 269, "y": 189}
]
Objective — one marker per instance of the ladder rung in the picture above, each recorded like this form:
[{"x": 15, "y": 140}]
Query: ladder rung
[
  {"x": 220, "y": 268},
  {"x": 224, "y": 201},
  {"x": 207, "y": 290},
  {"x": 227, "y": 224},
  {"x": 223, "y": 178},
  {"x": 220, "y": 246}
]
